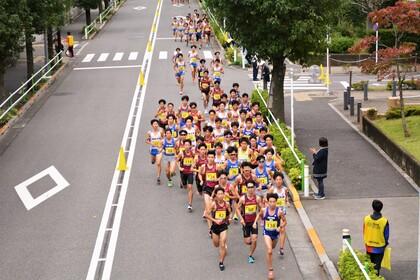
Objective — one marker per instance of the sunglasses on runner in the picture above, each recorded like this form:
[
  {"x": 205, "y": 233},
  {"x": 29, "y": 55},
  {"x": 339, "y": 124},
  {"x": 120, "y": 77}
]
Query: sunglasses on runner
[{"x": 233, "y": 154}]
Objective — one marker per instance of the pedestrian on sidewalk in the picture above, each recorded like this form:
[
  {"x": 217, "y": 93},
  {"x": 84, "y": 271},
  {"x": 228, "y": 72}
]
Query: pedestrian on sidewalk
[
  {"x": 320, "y": 165},
  {"x": 254, "y": 68},
  {"x": 58, "y": 46},
  {"x": 265, "y": 74},
  {"x": 70, "y": 44},
  {"x": 376, "y": 234}
]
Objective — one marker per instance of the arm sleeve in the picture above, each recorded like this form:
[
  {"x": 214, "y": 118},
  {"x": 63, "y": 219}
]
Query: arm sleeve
[{"x": 386, "y": 233}]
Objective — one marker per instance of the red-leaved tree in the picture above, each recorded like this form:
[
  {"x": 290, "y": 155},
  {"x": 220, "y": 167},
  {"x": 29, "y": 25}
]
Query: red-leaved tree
[{"x": 402, "y": 18}]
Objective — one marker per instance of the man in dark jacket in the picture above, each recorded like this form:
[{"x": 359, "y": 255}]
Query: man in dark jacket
[
  {"x": 320, "y": 165},
  {"x": 265, "y": 74}
]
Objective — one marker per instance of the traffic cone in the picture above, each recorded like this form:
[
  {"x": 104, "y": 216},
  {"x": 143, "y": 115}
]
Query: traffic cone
[{"x": 122, "y": 164}]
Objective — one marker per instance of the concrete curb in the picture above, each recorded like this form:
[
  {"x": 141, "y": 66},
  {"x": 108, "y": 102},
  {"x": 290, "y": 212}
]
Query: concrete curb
[
  {"x": 326, "y": 263},
  {"x": 38, "y": 95}
]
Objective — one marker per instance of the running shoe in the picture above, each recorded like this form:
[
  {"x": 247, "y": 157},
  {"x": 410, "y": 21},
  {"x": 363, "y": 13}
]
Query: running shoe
[
  {"x": 158, "y": 181},
  {"x": 251, "y": 259},
  {"x": 221, "y": 266},
  {"x": 189, "y": 208},
  {"x": 170, "y": 183},
  {"x": 281, "y": 252},
  {"x": 319, "y": 197},
  {"x": 235, "y": 217}
]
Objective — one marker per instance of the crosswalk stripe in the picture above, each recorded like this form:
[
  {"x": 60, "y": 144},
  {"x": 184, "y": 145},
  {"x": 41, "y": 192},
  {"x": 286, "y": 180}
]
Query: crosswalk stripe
[
  {"x": 207, "y": 55},
  {"x": 133, "y": 56},
  {"x": 118, "y": 56},
  {"x": 163, "y": 55},
  {"x": 103, "y": 57},
  {"x": 88, "y": 57}
]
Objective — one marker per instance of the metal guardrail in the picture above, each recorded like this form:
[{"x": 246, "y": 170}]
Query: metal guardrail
[
  {"x": 304, "y": 171},
  {"x": 362, "y": 268},
  {"x": 29, "y": 85},
  {"x": 100, "y": 19}
]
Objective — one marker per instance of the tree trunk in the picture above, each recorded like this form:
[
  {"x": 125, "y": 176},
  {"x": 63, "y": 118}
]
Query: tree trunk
[
  {"x": 59, "y": 36},
  {"x": 3, "y": 93},
  {"x": 100, "y": 7},
  {"x": 88, "y": 19},
  {"x": 29, "y": 55},
  {"x": 50, "y": 43},
  {"x": 106, "y": 2},
  {"x": 277, "y": 87},
  {"x": 404, "y": 121}
]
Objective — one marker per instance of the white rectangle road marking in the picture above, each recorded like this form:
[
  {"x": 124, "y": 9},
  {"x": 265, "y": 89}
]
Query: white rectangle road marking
[
  {"x": 107, "y": 67},
  {"x": 103, "y": 57},
  {"x": 28, "y": 200},
  {"x": 118, "y": 56},
  {"x": 207, "y": 55},
  {"x": 133, "y": 55},
  {"x": 88, "y": 57},
  {"x": 345, "y": 84},
  {"x": 163, "y": 55}
]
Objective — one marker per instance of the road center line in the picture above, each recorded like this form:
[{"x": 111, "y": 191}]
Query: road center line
[{"x": 106, "y": 253}]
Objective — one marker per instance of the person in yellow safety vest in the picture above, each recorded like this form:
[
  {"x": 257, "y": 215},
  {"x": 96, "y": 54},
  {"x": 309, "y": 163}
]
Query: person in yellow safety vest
[
  {"x": 70, "y": 44},
  {"x": 376, "y": 234}
]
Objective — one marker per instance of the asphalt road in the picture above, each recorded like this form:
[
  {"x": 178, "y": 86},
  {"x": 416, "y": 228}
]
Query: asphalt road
[{"x": 78, "y": 130}]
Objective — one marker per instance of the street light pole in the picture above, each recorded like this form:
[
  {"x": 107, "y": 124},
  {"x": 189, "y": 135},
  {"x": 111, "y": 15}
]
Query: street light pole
[
  {"x": 376, "y": 28},
  {"x": 292, "y": 118}
]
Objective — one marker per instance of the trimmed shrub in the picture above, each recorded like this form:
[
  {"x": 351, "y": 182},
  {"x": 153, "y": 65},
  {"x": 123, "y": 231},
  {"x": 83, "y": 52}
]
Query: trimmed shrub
[
  {"x": 410, "y": 110},
  {"x": 341, "y": 44},
  {"x": 349, "y": 270},
  {"x": 406, "y": 85}
]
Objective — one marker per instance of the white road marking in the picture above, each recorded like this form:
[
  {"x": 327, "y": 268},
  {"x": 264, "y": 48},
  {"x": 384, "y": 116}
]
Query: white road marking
[
  {"x": 28, "y": 200},
  {"x": 165, "y": 38},
  {"x": 163, "y": 55},
  {"x": 118, "y": 56},
  {"x": 133, "y": 56},
  {"x": 103, "y": 57},
  {"x": 139, "y": 8},
  {"x": 107, "y": 67},
  {"x": 207, "y": 55},
  {"x": 81, "y": 48},
  {"x": 88, "y": 57},
  {"x": 136, "y": 106},
  {"x": 345, "y": 84}
]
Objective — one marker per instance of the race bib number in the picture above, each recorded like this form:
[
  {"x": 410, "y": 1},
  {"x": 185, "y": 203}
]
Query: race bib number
[
  {"x": 191, "y": 137},
  {"x": 156, "y": 143},
  {"x": 217, "y": 73},
  {"x": 211, "y": 177},
  {"x": 184, "y": 115},
  {"x": 216, "y": 96},
  {"x": 174, "y": 134},
  {"x": 208, "y": 146},
  {"x": 182, "y": 150},
  {"x": 220, "y": 139},
  {"x": 233, "y": 171},
  {"x": 170, "y": 150},
  {"x": 270, "y": 225},
  {"x": 220, "y": 215},
  {"x": 244, "y": 189},
  {"x": 263, "y": 180},
  {"x": 226, "y": 198},
  {"x": 250, "y": 209},
  {"x": 281, "y": 201},
  {"x": 188, "y": 161},
  {"x": 224, "y": 123},
  {"x": 195, "y": 119}
]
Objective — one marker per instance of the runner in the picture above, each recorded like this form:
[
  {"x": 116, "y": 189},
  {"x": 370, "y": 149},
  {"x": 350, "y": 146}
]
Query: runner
[
  {"x": 183, "y": 111},
  {"x": 199, "y": 34},
  {"x": 172, "y": 126},
  {"x": 175, "y": 55},
  {"x": 197, "y": 117},
  {"x": 208, "y": 137},
  {"x": 207, "y": 33},
  {"x": 216, "y": 94},
  {"x": 247, "y": 209},
  {"x": 245, "y": 104},
  {"x": 186, "y": 165},
  {"x": 154, "y": 139},
  {"x": 232, "y": 164},
  {"x": 217, "y": 71},
  {"x": 194, "y": 58},
  {"x": 200, "y": 159},
  {"x": 263, "y": 177},
  {"x": 244, "y": 178},
  {"x": 219, "y": 158},
  {"x": 179, "y": 69},
  {"x": 174, "y": 26},
  {"x": 218, "y": 214},
  {"x": 208, "y": 179},
  {"x": 169, "y": 157},
  {"x": 244, "y": 152},
  {"x": 205, "y": 85},
  {"x": 274, "y": 220},
  {"x": 282, "y": 203},
  {"x": 161, "y": 113},
  {"x": 189, "y": 128}
]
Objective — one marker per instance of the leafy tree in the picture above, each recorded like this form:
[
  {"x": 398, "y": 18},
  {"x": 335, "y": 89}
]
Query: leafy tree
[
  {"x": 11, "y": 30},
  {"x": 87, "y": 5},
  {"x": 276, "y": 30},
  {"x": 402, "y": 18}
]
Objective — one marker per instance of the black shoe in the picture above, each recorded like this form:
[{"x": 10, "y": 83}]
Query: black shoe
[{"x": 221, "y": 266}]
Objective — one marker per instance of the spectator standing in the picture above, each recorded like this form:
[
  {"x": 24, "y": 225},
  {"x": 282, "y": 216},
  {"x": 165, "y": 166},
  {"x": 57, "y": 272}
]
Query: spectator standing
[
  {"x": 265, "y": 74},
  {"x": 70, "y": 44},
  {"x": 254, "y": 68},
  {"x": 320, "y": 165}
]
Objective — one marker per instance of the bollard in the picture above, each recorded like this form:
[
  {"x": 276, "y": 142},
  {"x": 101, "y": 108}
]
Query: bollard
[
  {"x": 350, "y": 77},
  {"x": 351, "y": 106},
  {"x": 306, "y": 181},
  {"x": 346, "y": 236},
  {"x": 359, "y": 107},
  {"x": 345, "y": 102},
  {"x": 365, "y": 91},
  {"x": 394, "y": 88}
]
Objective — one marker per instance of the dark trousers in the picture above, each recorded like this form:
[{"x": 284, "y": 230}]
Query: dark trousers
[
  {"x": 376, "y": 259},
  {"x": 320, "y": 183},
  {"x": 70, "y": 51},
  {"x": 254, "y": 71}
]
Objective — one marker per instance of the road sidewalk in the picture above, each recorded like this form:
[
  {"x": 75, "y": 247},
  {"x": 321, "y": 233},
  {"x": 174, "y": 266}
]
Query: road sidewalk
[{"x": 357, "y": 174}]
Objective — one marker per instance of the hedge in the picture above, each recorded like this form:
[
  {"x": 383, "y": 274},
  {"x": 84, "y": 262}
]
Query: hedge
[
  {"x": 291, "y": 166},
  {"x": 410, "y": 110},
  {"x": 349, "y": 270},
  {"x": 341, "y": 44},
  {"x": 407, "y": 85}
]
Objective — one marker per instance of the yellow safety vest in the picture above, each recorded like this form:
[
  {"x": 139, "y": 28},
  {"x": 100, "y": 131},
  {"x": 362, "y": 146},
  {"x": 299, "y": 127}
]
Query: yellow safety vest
[
  {"x": 70, "y": 40},
  {"x": 374, "y": 231}
]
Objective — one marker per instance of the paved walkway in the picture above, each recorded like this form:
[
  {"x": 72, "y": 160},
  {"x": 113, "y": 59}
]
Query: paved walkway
[
  {"x": 16, "y": 75},
  {"x": 357, "y": 175}
]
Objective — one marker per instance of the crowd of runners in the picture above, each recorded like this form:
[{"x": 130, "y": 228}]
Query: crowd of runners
[{"x": 227, "y": 152}]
